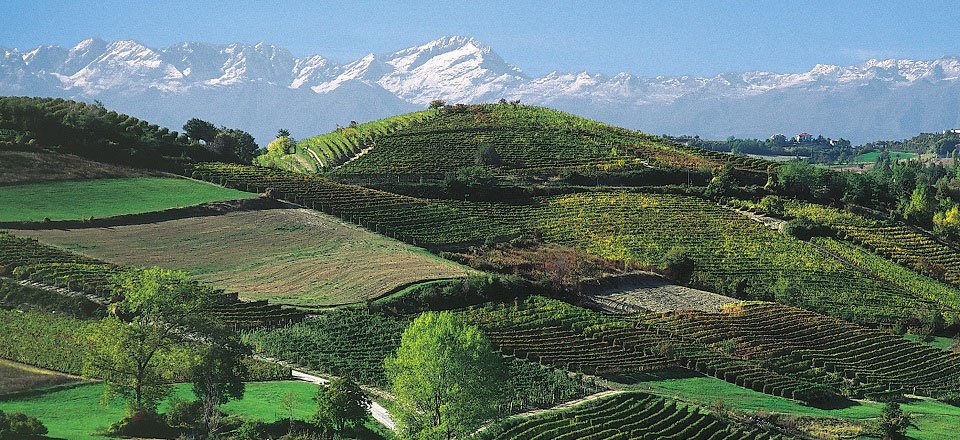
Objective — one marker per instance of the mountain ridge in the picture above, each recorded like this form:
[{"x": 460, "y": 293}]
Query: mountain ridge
[{"x": 463, "y": 69}]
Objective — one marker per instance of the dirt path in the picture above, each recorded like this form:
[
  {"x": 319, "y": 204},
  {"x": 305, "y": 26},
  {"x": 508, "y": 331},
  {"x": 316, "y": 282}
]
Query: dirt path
[
  {"x": 376, "y": 410},
  {"x": 771, "y": 222},
  {"x": 315, "y": 157},
  {"x": 356, "y": 156},
  {"x": 60, "y": 291}
]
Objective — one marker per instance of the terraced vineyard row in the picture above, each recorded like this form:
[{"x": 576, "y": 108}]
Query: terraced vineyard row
[
  {"x": 630, "y": 415},
  {"x": 801, "y": 340},
  {"x": 339, "y": 146},
  {"x": 524, "y": 138},
  {"x": 564, "y": 336},
  {"x": 356, "y": 343},
  {"x": 892, "y": 272},
  {"x": 417, "y": 221},
  {"x": 29, "y": 260},
  {"x": 348, "y": 342},
  {"x": 732, "y": 255},
  {"x": 907, "y": 246}
]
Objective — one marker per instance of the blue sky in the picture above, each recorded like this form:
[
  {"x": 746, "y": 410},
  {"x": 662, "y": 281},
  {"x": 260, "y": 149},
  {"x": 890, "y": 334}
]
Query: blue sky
[{"x": 644, "y": 37}]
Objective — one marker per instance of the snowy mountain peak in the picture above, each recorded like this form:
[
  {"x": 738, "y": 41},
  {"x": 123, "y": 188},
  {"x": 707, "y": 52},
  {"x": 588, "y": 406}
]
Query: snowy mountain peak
[{"x": 462, "y": 69}]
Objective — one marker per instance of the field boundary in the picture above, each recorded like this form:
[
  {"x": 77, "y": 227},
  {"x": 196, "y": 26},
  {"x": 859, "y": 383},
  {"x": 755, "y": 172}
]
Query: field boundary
[{"x": 201, "y": 210}]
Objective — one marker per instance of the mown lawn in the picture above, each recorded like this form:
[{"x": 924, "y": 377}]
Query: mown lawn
[
  {"x": 77, "y": 413},
  {"x": 935, "y": 420},
  {"x": 79, "y": 199}
]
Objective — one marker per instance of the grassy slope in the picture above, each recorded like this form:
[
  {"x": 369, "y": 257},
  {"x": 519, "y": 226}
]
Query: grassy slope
[
  {"x": 76, "y": 413},
  {"x": 65, "y": 200},
  {"x": 940, "y": 342},
  {"x": 292, "y": 256},
  {"x": 935, "y": 420}
]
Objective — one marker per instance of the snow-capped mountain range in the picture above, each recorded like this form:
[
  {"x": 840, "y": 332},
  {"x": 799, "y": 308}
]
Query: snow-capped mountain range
[{"x": 262, "y": 87}]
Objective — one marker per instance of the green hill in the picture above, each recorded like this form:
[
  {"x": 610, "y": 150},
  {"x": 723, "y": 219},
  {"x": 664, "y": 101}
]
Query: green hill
[{"x": 504, "y": 138}]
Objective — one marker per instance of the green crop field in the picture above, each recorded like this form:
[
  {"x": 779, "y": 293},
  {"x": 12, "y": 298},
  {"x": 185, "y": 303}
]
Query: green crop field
[{"x": 69, "y": 200}]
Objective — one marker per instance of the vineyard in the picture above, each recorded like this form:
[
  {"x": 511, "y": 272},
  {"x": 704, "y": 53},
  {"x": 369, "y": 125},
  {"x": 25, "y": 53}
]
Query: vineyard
[
  {"x": 629, "y": 415},
  {"x": 413, "y": 220},
  {"x": 339, "y": 146},
  {"x": 43, "y": 340},
  {"x": 28, "y": 260},
  {"x": 523, "y": 138},
  {"x": 356, "y": 343},
  {"x": 732, "y": 255},
  {"x": 563, "y": 336},
  {"x": 860, "y": 360},
  {"x": 900, "y": 244}
]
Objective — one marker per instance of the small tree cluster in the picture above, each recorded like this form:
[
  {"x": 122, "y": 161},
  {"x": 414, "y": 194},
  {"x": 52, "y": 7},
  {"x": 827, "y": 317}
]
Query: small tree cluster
[
  {"x": 227, "y": 142},
  {"x": 17, "y": 426}
]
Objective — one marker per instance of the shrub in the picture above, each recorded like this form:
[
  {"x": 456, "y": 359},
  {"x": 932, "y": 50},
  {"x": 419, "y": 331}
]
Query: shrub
[
  {"x": 250, "y": 430},
  {"x": 805, "y": 229},
  {"x": 677, "y": 265},
  {"x": 15, "y": 426},
  {"x": 142, "y": 424},
  {"x": 183, "y": 414}
]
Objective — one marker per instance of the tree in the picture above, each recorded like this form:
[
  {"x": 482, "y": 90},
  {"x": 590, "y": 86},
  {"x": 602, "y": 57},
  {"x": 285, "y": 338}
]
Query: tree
[
  {"x": 437, "y": 103},
  {"x": 218, "y": 377},
  {"x": 947, "y": 223},
  {"x": 894, "y": 422},
  {"x": 341, "y": 404},
  {"x": 234, "y": 143},
  {"x": 444, "y": 376},
  {"x": 283, "y": 132},
  {"x": 469, "y": 179},
  {"x": 136, "y": 350},
  {"x": 200, "y": 130},
  {"x": 919, "y": 209},
  {"x": 721, "y": 184},
  {"x": 16, "y": 426},
  {"x": 282, "y": 145}
]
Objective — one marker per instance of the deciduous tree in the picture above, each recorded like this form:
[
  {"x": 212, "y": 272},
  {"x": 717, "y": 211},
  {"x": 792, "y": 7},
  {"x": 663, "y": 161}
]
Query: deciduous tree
[{"x": 444, "y": 376}]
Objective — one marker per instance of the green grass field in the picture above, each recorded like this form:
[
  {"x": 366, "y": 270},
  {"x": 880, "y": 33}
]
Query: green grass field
[
  {"x": 935, "y": 420},
  {"x": 76, "y": 413},
  {"x": 79, "y": 199},
  {"x": 940, "y": 342},
  {"x": 872, "y": 156}
]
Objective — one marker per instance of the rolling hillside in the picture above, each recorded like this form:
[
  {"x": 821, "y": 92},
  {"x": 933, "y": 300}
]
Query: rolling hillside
[
  {"x": 504, "y": 138},
  {"x": 624, "y": 285}
]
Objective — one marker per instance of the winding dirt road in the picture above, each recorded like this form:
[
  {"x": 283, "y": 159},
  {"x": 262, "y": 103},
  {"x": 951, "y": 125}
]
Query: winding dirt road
[{"x": 378, "y": 412}]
